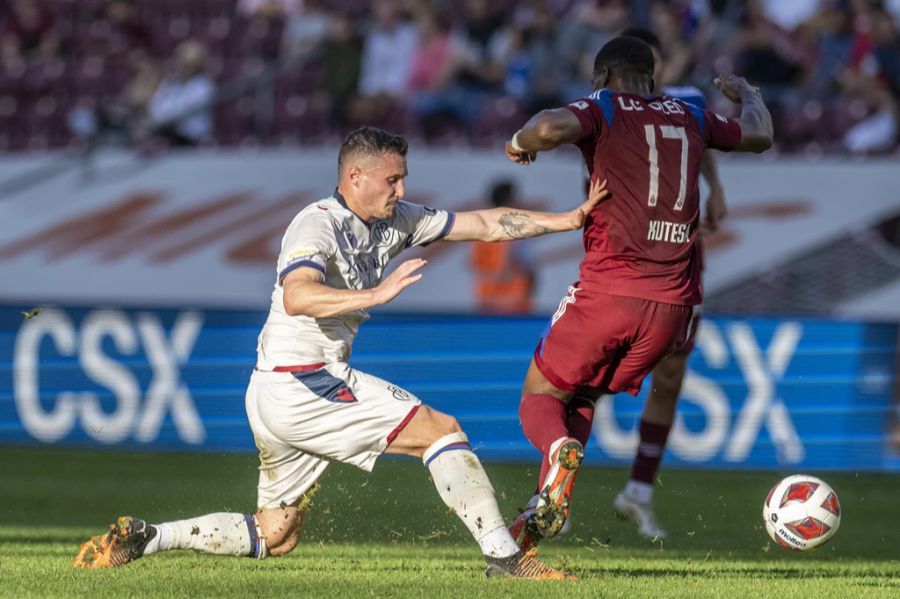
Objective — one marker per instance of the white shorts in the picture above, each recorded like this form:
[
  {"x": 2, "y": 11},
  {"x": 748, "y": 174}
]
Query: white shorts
[{"x": 303, "y": 420}]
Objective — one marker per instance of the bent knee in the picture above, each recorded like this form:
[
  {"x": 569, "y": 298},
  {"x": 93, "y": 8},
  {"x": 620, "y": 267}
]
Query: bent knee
[
  {"x": 442, "y": 425},
  {"x": 452, "y": 426},
  {"x": 445, "y": 425}
]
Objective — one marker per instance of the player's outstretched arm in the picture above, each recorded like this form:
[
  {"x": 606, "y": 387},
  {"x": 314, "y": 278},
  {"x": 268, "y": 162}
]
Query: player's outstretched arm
[
  {"x": 505, "y": 224},
  {"x": 305, "y": 293},
  {"x": 544, "y": 131},
  {"x": 756, "y": 122}
]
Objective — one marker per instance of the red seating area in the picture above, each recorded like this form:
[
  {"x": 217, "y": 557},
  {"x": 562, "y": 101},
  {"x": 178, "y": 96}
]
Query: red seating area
[{"x": 37, "y": 96}]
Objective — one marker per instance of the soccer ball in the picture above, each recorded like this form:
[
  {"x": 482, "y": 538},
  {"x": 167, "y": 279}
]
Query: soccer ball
[{"x": 801, "y": 512}]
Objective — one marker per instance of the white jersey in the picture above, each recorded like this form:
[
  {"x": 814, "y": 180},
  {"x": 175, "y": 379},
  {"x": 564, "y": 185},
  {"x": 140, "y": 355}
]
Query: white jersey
[{"x": 329, "y": 237}]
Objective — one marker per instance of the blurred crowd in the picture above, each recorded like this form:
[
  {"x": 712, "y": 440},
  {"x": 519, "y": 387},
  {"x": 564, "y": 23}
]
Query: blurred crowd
[{"x": 461, "y": 72}]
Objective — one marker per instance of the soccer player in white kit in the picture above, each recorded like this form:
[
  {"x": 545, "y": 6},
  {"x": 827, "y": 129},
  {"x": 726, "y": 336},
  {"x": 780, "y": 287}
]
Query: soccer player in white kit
[{"x": 308, "y": 407}]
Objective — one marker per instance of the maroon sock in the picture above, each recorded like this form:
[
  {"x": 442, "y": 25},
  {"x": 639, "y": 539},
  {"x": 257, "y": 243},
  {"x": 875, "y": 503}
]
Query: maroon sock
[
  {"x": 580, "y": 418},
  {"x": 543, "y": 420},
  {"x": 650, "y": 451}
]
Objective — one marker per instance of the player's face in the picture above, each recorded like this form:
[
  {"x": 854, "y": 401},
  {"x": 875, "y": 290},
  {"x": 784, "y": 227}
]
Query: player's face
[{"x": 382, "y": 185}]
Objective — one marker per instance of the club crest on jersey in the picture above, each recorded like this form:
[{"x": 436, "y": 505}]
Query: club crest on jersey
[
  {"x": 382, "y": 233},
  {"x": 350, "y": 238}
]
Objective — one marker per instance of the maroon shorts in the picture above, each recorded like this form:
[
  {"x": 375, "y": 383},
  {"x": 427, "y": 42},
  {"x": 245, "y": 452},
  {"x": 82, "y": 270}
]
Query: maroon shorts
[
  {"x": 688, "y": 346},
  {"x": 609, "y": 342}
]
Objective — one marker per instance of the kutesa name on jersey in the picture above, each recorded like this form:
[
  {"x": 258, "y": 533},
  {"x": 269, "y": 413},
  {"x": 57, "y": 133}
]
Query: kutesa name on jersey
[{"x": 663, "y": 230}]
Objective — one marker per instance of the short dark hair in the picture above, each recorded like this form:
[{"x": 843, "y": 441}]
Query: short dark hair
[
  {"x": 371, "y": 141},
  {"x": 502, "y": 193},
  {"x": 645, "y": 35},
  {"x": 626, "y": 56}
]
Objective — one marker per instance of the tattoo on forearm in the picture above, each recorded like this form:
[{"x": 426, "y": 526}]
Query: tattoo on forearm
[{"x": 518, "y": 225}]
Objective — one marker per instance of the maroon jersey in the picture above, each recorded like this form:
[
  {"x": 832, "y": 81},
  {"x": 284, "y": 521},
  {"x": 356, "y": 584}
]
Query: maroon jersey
[{"x": 640, "y": 242}]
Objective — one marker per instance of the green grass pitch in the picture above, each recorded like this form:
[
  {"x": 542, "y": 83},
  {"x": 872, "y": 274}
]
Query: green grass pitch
[{"x": 388, "y": 534}]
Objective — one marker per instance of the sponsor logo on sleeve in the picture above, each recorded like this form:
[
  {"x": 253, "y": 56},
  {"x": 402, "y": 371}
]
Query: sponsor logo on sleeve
[
  {"x": 398, "y": 393},
  {"x": 300, "y": 254}
]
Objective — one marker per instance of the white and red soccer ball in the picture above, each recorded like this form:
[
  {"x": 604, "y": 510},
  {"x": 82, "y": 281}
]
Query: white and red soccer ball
[{"x": 801, "y": 512}]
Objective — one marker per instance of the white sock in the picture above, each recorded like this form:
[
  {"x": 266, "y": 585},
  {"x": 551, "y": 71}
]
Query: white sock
[
  {"x": 639, "y": 491},
  {"x": 221, "y": 534},
  {"x": 464, "y": 486},
  {"x": 497, "y": 543}
]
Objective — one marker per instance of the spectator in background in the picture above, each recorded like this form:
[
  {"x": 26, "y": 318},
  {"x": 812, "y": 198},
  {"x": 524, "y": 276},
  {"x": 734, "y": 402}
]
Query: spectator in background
[
  {"x": 767, "y": 55},
  {"x": 122, "y": 116},
  {"x": 388, "y": 50},
  {"x": 479, "y": 68},
  {"x": 830, "y": 33},
  {"x": 180, "y": 111},
  {"x": 126, "y": 33},
  {"x": 436, "y": 54},
  {"x": 532, "y": 73},
  {"x": 281, "y": 9},
  {"x": 146, "y": 76},
  {"x": 887, "y": 48},
  {"x": 128, "y": 44},
  {"x": 484, "y": 40},
  {"x": 830, "y": 67},
  {"x": 667, "y": 25},
  {"x": 866, "y": 79},
  {"x": 267, "y": 19},
  {"x": 588, "y": 25},
  {"x": 789, "y": 16},
  {"x": 504, "y": 272},
  {"x": 306, "y": 29},
  {"x": 849, "y": 92},
  {"x": 29, "y": 33},
  {"x": 341, "y": 59}
]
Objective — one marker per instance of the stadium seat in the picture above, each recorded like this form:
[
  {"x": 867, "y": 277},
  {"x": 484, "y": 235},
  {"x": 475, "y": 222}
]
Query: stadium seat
[{"x": 241, "y": 47}]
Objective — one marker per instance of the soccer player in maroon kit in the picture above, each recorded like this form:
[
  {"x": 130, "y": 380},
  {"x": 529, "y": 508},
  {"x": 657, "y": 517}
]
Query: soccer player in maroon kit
[{"x": 640, "y": 278}]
